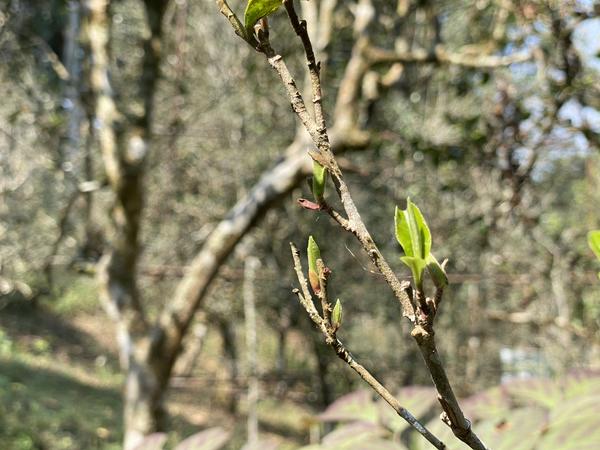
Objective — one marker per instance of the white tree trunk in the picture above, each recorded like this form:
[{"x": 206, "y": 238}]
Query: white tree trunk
[{"x": 144, "y": 408}]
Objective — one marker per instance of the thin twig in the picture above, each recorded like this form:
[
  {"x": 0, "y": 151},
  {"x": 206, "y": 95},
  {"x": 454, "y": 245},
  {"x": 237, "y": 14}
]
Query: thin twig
[
  {"x": 314, "y": 71},
  {"x": 423, "y": 332},
  {"x": 344, "y": 354}
]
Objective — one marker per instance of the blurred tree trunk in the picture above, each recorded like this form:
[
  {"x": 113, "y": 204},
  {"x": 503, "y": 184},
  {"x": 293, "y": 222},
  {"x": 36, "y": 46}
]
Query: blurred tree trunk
[
  {"x": 323, "y": 358},
  {"x": 148, "y": 351},
  {"x": 227, "y": 330},
  {"x": 124, "y": 142},
  {"x": 280, "y": 364},
  {"x": 195, "y": 343},
  {"x": 72, "y": 103},
  {"x": 251, "y": 263},
  {"x": 71, "y": 144}
]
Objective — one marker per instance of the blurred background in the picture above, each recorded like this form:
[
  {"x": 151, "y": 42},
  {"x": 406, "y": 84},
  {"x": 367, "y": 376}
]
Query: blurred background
[{"x": 149, "y": 170}]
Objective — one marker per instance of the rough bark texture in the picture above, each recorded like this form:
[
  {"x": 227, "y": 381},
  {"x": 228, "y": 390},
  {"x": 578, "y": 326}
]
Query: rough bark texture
[{"x": 124, "y": 144}]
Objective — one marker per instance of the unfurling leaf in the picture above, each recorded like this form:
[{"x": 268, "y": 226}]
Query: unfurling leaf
[
  {"x": 414, "y": 236},
  {"x": 313, "y": 255},
  {"x": 337, "y": 315},
  {"x": 318, "y": 181},
  {"x": 412, "y": 231},
  {"x": 257, "y": 9},
  {"x": 436, "y": 272},
  {"x": 594, "y": 242}
]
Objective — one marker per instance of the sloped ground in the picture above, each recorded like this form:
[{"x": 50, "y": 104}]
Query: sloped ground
[{"x": 60, "y": 387}]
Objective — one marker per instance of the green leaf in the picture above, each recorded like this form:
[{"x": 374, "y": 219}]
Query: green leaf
[
  {"x": 257, "y": 9},
  {"x": 318, "y": 182},
  {"x": 414, "y": 236},
  {"x": 313, "y": 255},
  {"x": 337, "y": 315},
  {"x": 417, "y": 266},
  {"x": 436, "y": 272},
  {"x": 594, "y": 242},
  {"x": 402, "y": 232},
  {"x": 412, "y": 231}
]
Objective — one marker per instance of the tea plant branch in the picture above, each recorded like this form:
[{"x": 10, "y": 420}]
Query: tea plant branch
[
  {"x": 421, "y": 314},
  {"x": 324, "y": 324},
  {"x": 314, "y": 72}
]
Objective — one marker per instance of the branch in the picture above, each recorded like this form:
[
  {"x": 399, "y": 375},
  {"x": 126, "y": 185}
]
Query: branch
[
  {"x": 423, "y": 332},
  {"x": 340, "y": 350},
  {"x": 442, "y": 56},
  {"x": 273, "y": 185},
  {"x": 314, "y": 71},
  {"x": 116, "y": 271},
  {"x": 533, "y": 319}
]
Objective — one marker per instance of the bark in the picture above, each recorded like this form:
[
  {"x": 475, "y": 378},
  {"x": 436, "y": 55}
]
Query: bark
[
  {"x": 124, "y": 145},
  {"x": 195, "y": 343},
  {"x": 144, "y": 412}
]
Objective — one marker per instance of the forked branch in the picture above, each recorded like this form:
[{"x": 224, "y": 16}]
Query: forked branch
[
  {"x": 417, "y": 311},
  {"x": 324, "y": 324}
]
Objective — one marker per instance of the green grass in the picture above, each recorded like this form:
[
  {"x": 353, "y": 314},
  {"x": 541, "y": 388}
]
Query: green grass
[
  {"x": 45, "y": 409},
  {"x": 53, "y": 394},
  {"x": 60, "y": 387}
]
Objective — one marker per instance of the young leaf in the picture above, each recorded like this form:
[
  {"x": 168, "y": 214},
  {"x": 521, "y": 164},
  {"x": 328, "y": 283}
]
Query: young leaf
[
  {"x": 337, "y": 315},
  {"x": 412, "y": 231},
  {"x": 594, "y": 242},
  {"x": 414, "y": 236},
  {"x": 436, "y": 272},
  {"x": 318, "y": 181},
  {"x": 257, "y": 9},
  {"x": 313, "y": 254},
  {"x": 402, "y": 232}
]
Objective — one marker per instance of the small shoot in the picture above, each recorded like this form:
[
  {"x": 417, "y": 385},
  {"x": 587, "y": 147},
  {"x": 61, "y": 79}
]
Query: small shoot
[
  {"x": 413, "y": 235},
  {"x": 436, "y": 272},
  {"x": 314, "y": 254},
  {"x": 337, "y": 315},
  {"x": 318, "y": 182}
]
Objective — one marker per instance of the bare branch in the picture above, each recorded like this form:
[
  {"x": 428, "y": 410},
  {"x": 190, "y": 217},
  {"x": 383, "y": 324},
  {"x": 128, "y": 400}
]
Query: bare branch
[
  {"x": 331, "y": 339},
  {"x": 442, "y": 56},
  {"x": 313, "y": 69}
]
